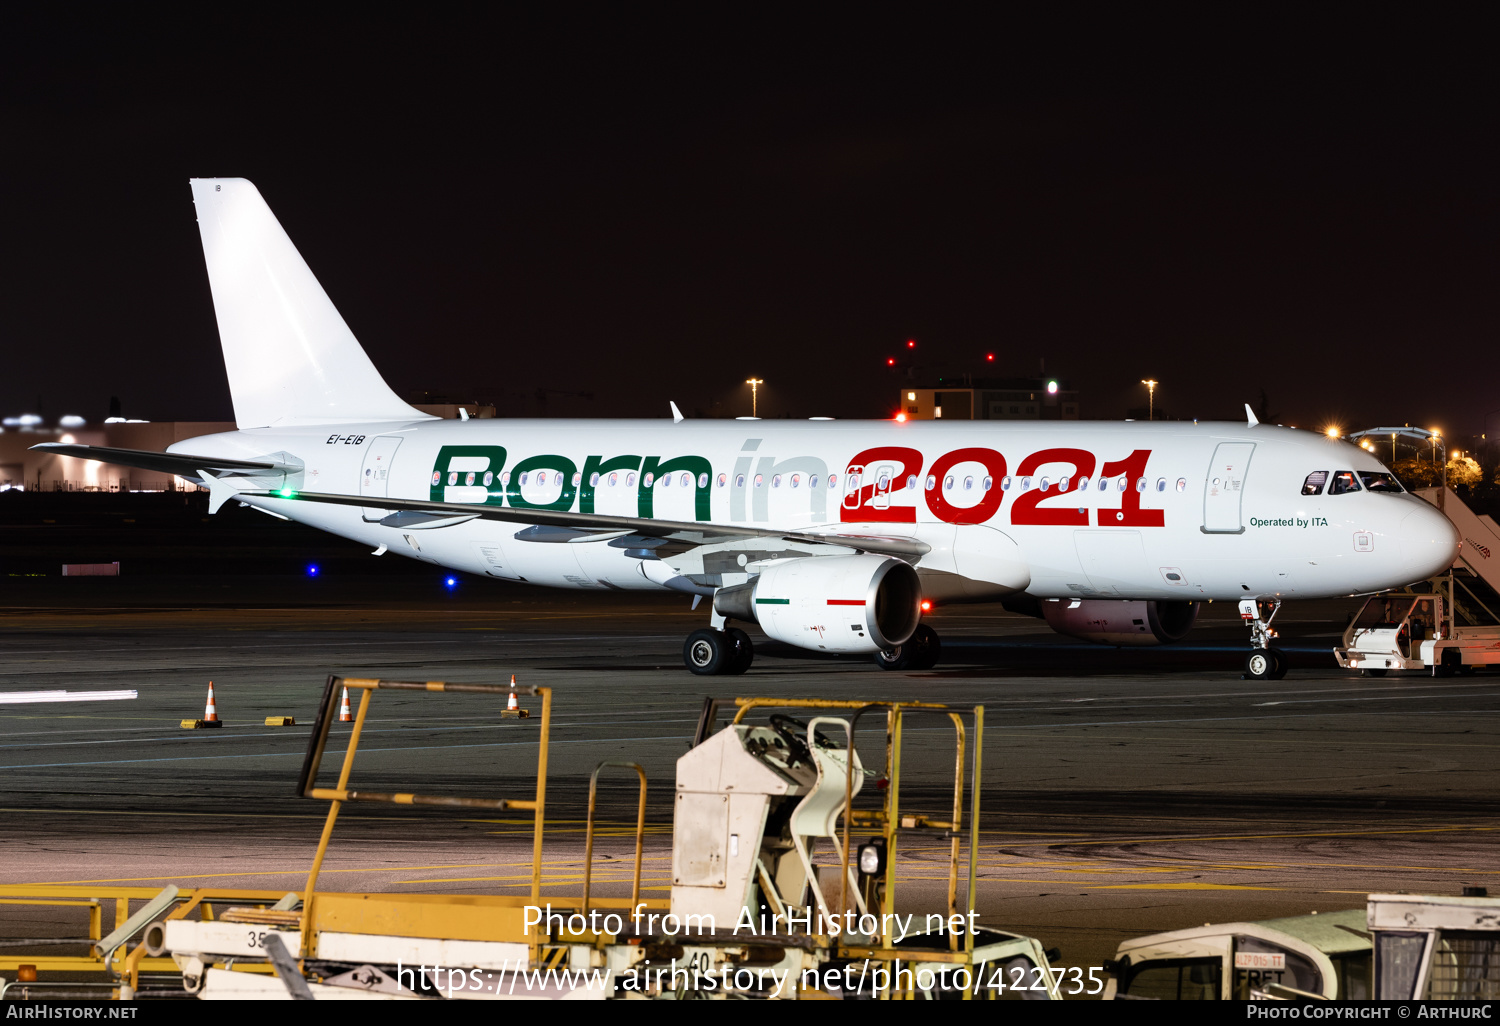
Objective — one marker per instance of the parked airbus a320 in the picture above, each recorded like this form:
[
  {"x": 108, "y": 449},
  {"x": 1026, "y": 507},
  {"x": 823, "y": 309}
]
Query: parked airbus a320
[{"x": 827, "y": 534}]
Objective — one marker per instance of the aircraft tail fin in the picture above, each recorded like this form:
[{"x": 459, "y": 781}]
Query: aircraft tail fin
[{"x": 290, "y": 357}]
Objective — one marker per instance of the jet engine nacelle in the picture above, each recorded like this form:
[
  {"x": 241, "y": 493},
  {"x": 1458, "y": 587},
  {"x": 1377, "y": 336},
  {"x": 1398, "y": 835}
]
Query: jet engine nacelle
[
  {"x": 1116, "y": 622},
  {"x": 859, "y": 604}
]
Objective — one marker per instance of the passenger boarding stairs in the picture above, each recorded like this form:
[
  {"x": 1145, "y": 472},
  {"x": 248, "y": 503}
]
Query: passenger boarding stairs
[{"x": 1476, "y": 571}]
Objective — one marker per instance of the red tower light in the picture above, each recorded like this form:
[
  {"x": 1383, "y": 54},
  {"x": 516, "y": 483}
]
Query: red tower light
[
  {"x": 990, "y": 357},
  {"x": 911, "y": 343},
  {"x": 890, "y": 362}
]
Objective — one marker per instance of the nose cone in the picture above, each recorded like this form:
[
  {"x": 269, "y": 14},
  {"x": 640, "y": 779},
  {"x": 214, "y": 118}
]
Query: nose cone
[{"x": 1429, "y": 542}]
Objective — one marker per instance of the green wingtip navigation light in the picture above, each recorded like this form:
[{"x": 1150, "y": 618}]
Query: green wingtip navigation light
[{"x": 286, "y": 493}]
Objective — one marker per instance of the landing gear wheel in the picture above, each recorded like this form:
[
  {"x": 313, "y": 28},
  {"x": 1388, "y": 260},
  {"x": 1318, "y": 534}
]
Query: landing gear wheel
[
  {"x": 706, "y": 652},
  {"x": 1260, "y": 664},
  {"x": 919, "y": 652},
  {"x": 1450, "y": 664},
  {"x": 742, "y": 653},
  {"x": 1280, "y": 657},
  {"x": 924, "y": 648}
]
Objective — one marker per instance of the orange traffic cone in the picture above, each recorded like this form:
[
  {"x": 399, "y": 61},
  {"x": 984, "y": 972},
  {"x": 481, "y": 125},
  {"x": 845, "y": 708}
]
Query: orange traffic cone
[
  {"x": 345, "y": 716},
  {"x": 210, "y": 711},
  {"x": 511, "y": 705}
]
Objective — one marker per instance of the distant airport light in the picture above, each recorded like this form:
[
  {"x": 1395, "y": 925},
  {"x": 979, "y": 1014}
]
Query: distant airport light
[
  {"x": 71, "y": 420},
  {"x": 901, "y": 418},
  {"x": 312, "y": 569},
  {"x": 451, "y": 582},
  {"x": 1051, "y": 388},
  {"x": 755, "y": 384},
  {"x": 1150, "y": 384}
]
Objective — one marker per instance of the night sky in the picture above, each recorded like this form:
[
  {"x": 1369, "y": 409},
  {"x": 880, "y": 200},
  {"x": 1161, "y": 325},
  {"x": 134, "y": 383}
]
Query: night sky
[{"x": 587, "y": 212}]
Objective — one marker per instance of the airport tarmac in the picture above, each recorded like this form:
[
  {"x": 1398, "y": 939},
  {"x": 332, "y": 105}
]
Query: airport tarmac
[{"x": 1126, "y": 791}]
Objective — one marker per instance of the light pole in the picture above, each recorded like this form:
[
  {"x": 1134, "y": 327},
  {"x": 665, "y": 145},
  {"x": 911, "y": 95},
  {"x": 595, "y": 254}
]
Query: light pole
[
  {"x": 1150, "y": 398},
  {"x": 754, "y": 384}
]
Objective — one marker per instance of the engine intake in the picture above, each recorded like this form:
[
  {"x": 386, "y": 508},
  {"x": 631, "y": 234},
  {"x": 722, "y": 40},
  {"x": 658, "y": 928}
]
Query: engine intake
[
  {"x": 860, "y": 604},
  {"x": 1117, "y": 622}
]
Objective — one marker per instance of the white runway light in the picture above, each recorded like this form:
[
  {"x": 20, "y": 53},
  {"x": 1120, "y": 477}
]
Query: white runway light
[{"x": 24, "y": 697}]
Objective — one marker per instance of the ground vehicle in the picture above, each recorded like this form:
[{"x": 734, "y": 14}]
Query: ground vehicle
[
  {"x": 782, "y": 886},
  {"x": 1324, "y": 956}
]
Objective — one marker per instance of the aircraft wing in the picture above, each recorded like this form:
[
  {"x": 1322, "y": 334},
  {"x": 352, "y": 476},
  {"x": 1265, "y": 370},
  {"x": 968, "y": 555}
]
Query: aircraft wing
[
  {"x": 166, "y": 462},
  {"x": 567, "y": 526}
]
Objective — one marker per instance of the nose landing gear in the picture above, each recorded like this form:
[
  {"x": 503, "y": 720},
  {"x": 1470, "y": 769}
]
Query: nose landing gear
[{"x": 1264, "y": 662}]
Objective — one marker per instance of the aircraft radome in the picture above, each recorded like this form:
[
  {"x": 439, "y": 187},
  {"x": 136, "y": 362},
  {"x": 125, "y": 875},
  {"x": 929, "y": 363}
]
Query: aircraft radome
[{"x": 828, "y": 534}]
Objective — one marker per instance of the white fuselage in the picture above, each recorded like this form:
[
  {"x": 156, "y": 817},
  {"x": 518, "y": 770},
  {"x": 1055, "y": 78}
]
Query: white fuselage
[{"x": 1171, "y": 511}]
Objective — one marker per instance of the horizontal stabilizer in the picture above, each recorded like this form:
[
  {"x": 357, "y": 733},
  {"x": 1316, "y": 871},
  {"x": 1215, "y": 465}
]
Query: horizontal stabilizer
[
  {"x": 181, "y": 464},
  {"x": 693, "y": 532}
]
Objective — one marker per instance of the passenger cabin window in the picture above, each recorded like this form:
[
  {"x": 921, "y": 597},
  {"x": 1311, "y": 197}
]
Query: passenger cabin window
[
  {"x": 1343, "y": 481},
  {"x": 1380, "y": 482},
  {"x": 1315, "y": 482}
]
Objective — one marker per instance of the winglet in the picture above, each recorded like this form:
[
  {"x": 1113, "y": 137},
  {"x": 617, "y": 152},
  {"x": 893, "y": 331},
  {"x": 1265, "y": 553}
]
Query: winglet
[
  {"x": 1250, "y": 415},
  {"x": 676, "y": 413}
]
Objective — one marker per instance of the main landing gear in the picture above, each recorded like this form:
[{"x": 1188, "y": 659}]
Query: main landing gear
[
  {"x": 708, "y": 652},
  {"x": 920, "y": 652},
  {"x": 1263, "y": 662}
]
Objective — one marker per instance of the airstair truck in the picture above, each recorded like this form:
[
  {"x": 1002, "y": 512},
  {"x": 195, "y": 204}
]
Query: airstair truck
[{"x": 1450, "y": 624}]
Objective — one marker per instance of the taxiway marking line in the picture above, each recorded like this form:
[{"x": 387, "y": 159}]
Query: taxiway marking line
[
  {"x": 1261, "y": 837},
  {"x": 677, "y": 738},
  {"x": 289, "y": 734},
  {"x": 1221, "y": 740}
]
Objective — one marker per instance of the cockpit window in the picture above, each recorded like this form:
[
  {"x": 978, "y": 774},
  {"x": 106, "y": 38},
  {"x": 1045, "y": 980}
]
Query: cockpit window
[
  {"x": 1380, "y": 482},
  {"x": 1343, "y": 481},
  {"x": 1315, "y": 482}
]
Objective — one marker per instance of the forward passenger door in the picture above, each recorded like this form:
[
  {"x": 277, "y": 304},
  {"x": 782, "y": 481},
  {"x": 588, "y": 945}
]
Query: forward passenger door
[{"x": 1223, "y": 492}]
